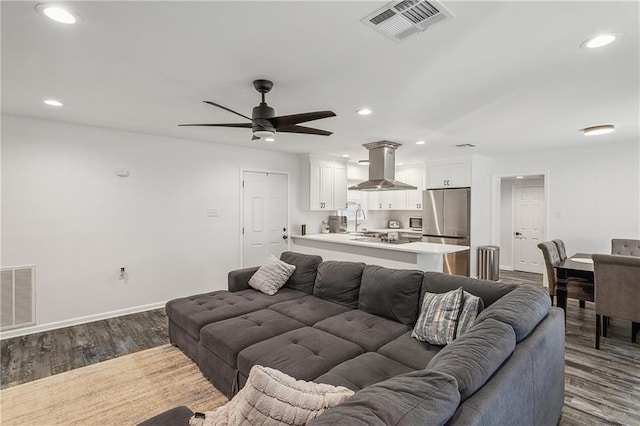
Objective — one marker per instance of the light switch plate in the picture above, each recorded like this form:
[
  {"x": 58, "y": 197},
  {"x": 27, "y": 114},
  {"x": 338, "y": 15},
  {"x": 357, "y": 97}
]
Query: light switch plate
[{"x": 212, "y": 212}]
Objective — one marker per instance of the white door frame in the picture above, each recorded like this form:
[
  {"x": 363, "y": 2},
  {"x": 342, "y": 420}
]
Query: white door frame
[
  {"x": 496, "y": 202},
  {"x": 241, "y": 215}
]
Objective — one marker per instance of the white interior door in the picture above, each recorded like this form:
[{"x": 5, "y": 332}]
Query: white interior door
[
  {"x": 528, "y": 224},
  {"x": 264, "y": 216}
]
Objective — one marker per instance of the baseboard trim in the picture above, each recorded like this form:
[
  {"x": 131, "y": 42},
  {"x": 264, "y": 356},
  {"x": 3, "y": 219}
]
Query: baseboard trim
[
  {"x": 506, "y": 268},
  {"x": 80, "y": 320}
]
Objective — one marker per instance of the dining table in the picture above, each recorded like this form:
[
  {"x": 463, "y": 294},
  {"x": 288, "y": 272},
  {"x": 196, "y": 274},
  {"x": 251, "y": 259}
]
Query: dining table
[{"x": 580, "y": 265}]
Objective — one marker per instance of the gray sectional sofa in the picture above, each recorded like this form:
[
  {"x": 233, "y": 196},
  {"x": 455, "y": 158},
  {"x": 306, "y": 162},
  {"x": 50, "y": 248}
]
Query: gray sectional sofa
[{"x": 349, "y": 324}]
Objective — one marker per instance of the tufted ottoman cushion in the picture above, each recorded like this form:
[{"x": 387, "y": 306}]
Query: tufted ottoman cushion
[
  {"x": 305, "y": 353},
  {"x": 227, "y": 338},
  {"x": 189, "y": 314},
  {"x": 309, "y": 309},
  {"x": 367, "y": 330}
]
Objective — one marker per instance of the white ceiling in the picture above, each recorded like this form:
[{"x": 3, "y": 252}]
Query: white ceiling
[{"x": 505, "y": 76}]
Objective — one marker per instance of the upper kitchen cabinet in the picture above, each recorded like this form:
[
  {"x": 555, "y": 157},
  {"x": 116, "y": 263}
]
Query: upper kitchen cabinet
[
  {"x": 415, "y": 177},
  {"x": 454, "y": 175},
  {"x": 323, "y": 183}
]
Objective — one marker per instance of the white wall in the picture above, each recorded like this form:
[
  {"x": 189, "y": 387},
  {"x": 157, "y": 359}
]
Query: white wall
[
  {"x": 65, "y": 210},
  {"x": 591, "y": 192}
]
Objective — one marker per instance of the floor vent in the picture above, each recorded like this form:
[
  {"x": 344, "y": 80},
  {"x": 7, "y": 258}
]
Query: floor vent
[
  {"x": 401, "y": 19},
  {"x": 17, "y": 297}
]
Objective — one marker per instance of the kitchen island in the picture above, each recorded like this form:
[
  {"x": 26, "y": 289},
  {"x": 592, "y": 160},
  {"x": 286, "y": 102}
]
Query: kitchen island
[{"x": 413, "y": 255}]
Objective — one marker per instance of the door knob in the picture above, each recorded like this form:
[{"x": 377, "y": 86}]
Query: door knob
[
  {"x": 518, "y": 234},
  {"x": 284, "y": 237}
]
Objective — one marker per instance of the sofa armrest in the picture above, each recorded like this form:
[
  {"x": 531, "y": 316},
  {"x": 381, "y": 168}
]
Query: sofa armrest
[{"x": 239, "y": 279}]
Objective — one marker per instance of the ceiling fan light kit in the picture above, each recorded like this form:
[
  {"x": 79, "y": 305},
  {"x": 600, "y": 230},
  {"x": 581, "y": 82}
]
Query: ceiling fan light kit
[{"x": 265, "y": 124}]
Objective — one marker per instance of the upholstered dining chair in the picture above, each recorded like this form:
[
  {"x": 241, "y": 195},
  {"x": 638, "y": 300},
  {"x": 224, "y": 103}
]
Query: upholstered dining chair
[
  {"x": 562, "y": 250},
  {"x": 577, "y": 288},
  {"x": 617, "y": 291},
  {"x": 625, "y": 247}
]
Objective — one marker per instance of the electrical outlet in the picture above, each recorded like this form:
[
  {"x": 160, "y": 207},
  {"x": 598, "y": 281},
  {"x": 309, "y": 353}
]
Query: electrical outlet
[{"x": 211, "y": 212}]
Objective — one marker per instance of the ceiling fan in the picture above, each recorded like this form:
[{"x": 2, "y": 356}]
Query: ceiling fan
[{"x": 264, "y": 122}]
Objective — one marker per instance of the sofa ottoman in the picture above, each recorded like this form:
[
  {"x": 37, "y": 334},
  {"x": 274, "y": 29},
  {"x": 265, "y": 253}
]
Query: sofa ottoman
[
  {"x": 189, "y": 314},
  {"x": 360, "y": 327},
  {"x": 364, "y": 370},
  {"x": 222, "y": 341},
  {"x": 305, "y": 353}
]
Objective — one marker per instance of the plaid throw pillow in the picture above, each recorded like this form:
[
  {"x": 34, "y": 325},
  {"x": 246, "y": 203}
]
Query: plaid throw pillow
[
  {"x": 438, "y": 318},
  {"x": 471, "y": 307}
]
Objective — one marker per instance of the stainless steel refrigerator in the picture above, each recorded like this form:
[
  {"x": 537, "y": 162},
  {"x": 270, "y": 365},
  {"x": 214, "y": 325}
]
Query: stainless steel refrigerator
[{"x": 445, "y": 220}]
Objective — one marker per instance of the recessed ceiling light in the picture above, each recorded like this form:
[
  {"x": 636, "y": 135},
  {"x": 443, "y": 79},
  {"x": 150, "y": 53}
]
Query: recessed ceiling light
[
  {"x": 421, "y": 142},
  {"x": 400, "y": 164},
  {"x": 519, "y": 177},
  {"x": 363, "y": 162},
  {"x": 57, "y": 13},
  {"x": 346, "y": 155},
  {"x": 599, "y": 130},
  {"x": 269, "y": 139},
  {"x": 598, "y": 41},
  {"x": 53, "y": 102},
  {"x": 364, "y": 111}
]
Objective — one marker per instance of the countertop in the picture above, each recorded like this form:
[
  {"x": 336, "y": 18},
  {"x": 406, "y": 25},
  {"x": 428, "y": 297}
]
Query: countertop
[{"x": 415, "y": 247}]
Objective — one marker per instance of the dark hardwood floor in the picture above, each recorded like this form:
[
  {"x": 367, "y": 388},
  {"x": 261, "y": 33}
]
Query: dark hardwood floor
[
  {"x": 32, "y": 357},
  {"x": 602, "y": 387}
]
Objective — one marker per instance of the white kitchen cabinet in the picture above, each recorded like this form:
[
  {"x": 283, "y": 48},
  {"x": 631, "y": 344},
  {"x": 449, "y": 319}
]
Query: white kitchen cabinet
[
  {"x": 415, "y": 177},
  {"x": 323, "y": 184},
  {"x": 455, "y": 175}
]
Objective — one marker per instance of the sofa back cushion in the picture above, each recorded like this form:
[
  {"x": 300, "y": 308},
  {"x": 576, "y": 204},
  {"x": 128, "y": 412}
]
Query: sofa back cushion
[
  {"x": 304, "y": 276},
  {"x": 391, "y": 293},
  {"x": 421, "y": 397},
  {"x": 489, "y": 291},
  {"x": 339, "y": 282},
  {"x": 522, "y": 309},
  {"x": 475, "y": 356}
]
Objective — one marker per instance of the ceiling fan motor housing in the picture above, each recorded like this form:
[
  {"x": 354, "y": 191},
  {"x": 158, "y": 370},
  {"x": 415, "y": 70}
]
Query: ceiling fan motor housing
[{"x": 261, "y": 116}]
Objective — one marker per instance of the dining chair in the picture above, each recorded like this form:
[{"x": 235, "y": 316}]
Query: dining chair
[
  {"x": 577, "y": 288},
  {"x": 625, "y": 247},
  {"x": 617, "y": 291},
  {"x": 562, "y": 250}
]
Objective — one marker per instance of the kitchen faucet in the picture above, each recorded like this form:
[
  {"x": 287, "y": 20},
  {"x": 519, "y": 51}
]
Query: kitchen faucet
[{"x": 364, "y": 216}]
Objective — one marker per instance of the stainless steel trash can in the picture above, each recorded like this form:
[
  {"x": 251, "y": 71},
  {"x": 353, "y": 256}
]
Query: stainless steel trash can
[{"x": 489, "y": 263}]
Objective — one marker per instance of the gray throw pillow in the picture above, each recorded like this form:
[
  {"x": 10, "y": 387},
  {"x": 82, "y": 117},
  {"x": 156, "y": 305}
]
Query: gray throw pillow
[
  {"x": 471, "y": 307},
  {"x": 271, "y": 276},
  {"x": 438, "y": 318}
]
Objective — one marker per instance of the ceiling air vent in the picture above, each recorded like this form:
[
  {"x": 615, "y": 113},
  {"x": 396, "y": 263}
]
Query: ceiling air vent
[{"x": 400, "y": 19}]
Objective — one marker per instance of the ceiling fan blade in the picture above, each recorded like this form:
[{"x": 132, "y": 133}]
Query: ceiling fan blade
[
  {"x": 244, "y": 125},
  {"x": 227, "y": 109},
  {"x": 254, "y": 138},
  {"x": 305, "y": 130},
  {"x": 290, "y": 120}
]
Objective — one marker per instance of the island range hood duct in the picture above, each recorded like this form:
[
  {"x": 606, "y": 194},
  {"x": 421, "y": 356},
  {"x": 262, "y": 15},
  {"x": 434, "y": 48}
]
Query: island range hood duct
[{"x": 382, "y": 168}]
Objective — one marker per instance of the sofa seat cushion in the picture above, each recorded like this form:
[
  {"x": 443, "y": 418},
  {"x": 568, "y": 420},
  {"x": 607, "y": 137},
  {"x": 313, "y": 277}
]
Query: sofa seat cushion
[
  {"x": 391, "y": 293},
  {"x": 364, "y": 370},
  {"x": 421, "y": 397},
  {"x": 305, "y": 353},
  {"x": 476, "y": 356},
  {"x": 522, "y": 309},
  {"x": 304, "y": 276},
  {"x": 309, "y": 309},
  {"x": 367, "y": 330},
  {"x": 228, "y": 337},
  {"x": 193, "y": 312},
  {"x": 410, "y": 351},
  {"x": 339, "y": 282}
]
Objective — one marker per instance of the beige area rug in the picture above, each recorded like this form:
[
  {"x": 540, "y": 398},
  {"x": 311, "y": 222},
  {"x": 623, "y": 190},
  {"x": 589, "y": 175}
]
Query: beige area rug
[{"x": 121, "y": 391}]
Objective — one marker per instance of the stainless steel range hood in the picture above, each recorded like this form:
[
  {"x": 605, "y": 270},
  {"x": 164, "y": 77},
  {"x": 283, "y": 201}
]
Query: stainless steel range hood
[{"x": 382, "y": 168}]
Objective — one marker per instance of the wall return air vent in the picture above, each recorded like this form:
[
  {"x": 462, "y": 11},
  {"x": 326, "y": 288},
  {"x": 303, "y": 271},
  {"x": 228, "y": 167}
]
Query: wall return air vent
[{"x": 401, "y": 19}]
